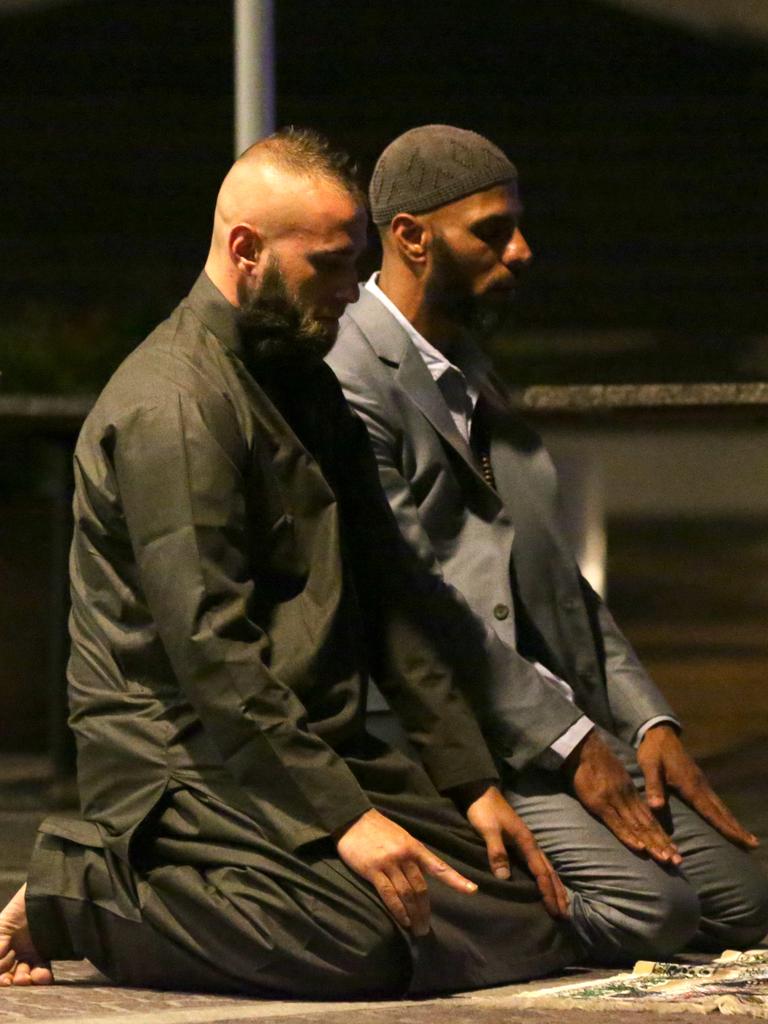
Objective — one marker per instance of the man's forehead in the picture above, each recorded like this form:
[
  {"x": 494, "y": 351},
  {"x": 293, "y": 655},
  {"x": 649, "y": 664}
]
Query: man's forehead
[
  {"x": 500, "y": 200},
  {"x": 325, "y": 212},
  {"x": 333, "y": 227},
  {"x": 302, "y": 204}
]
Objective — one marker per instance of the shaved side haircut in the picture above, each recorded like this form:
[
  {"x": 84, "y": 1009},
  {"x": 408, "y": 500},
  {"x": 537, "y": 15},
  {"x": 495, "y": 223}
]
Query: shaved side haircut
[{"x": 307, "y": 153}]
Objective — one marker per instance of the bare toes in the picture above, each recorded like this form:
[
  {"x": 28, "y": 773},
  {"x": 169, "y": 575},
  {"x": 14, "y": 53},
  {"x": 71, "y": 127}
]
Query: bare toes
[{"x": 41, "y": 976}]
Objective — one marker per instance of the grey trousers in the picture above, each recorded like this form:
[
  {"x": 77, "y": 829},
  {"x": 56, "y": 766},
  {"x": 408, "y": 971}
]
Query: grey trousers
[
  {"x": 208, "y": 903},
  {"x": 625, "y": 906}
]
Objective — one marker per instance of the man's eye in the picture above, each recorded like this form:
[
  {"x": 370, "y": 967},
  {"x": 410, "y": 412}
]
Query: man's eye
[
  {"x": 328, "y": 266},
  {"x": 493, "y": 234}
]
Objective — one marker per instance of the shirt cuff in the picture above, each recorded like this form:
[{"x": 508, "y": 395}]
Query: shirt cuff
[
  {"x": 570, "y": 739},
  {"x": 656, "y": 720}
]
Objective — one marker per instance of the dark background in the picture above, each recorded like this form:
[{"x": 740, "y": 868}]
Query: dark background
[
  {"x": 641, "y": 150},
  {"x": 642, "y": 155}
]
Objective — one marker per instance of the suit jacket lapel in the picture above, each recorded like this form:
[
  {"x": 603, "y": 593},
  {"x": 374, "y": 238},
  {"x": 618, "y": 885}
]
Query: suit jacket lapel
[
  {"x": 393, "y": 347},
  {"x": 515, "y": 461}
]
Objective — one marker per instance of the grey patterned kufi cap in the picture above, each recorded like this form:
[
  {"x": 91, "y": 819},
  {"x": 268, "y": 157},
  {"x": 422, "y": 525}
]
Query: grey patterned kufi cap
[{"x": 433, "y": 165}]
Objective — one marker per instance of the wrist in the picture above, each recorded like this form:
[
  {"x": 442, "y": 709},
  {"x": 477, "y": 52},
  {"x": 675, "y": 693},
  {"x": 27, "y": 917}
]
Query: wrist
[
  {"x": 660, "y": 729},
  {"x": 573, "y": 760},
  {"x": 341, "y": 831},
  {"x": 468, "y": 792}
]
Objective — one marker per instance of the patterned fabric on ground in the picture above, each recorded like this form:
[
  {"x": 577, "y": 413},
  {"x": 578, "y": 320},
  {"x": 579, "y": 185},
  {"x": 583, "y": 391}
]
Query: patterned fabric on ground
[{"x": 734, "y": 983}]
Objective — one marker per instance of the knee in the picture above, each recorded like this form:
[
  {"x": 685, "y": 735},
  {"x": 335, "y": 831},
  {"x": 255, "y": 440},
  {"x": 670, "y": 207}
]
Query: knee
[
  {"x": 358, "y": 954},
  {"x": 757, "y": 913},
  {"x": 387, "y": 964},
  {"x": 671, "y": 919},
  {"x": 650, "y": 921},
  {"x": 739, "y": 919},
  {"x": 376, "y": 963}
]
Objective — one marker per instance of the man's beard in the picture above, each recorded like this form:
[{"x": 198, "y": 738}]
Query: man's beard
[
  {"x": 450, "y": 292},
  {"x": 273, "y": 326}
]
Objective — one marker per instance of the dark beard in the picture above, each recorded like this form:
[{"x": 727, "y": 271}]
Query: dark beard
[
  {"x": 273, "y": 327},
  {"x": 450, "y": 293}
]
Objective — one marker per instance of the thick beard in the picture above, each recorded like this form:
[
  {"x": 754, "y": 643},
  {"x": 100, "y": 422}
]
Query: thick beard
[
  {"x": 450, "y": 293},
  {"x": 274, "y": 328}
]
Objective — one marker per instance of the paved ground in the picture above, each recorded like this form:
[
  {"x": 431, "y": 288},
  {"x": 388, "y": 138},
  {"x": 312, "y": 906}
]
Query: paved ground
[{"x": 82, "y": 995}]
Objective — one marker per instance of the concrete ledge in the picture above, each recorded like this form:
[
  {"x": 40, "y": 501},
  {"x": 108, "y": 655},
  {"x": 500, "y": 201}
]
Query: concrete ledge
[
  {"x": 751, "y": 397},
  {"x": 44, "y": 413},
  {"x": 737, "y": 401}
]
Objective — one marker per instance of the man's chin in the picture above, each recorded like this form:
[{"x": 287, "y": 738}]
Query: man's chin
[
  {"x": 328, "y": 331},
  {"x": 498, "y": 297},
  {"x": 492, "y": 314}
]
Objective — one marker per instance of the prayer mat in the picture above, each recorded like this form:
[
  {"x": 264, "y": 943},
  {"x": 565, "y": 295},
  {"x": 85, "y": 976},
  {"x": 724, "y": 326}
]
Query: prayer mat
[{"x": 734, "y": 983}]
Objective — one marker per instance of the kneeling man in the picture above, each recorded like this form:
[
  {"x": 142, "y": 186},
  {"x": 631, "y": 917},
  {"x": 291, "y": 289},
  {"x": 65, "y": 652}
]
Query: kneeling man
[
  {"x": 588, "y": 745},
  {"x": 236, "y": 577}
]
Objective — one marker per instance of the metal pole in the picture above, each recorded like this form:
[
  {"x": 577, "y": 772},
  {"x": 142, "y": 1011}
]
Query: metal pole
[{"x": 254, "y": 71}]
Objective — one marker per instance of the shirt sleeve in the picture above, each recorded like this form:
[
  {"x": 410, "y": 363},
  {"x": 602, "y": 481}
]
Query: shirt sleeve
[
  {"x": 180, "y": 479},
  {"x": 567, "y": 742},
  {"x": 656, "y": 720}
]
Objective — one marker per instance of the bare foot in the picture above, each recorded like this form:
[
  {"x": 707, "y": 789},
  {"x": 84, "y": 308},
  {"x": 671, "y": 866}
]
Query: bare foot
[{"x": 20, "y": 963}]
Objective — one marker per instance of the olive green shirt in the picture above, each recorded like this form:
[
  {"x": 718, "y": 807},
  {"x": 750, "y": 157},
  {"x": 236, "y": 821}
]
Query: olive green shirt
[{"x": 230, "y": 598}]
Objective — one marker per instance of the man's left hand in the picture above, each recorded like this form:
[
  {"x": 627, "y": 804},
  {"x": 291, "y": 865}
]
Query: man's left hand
[
  {"x": 500, "y": 826},
  {"x": 666, "y": 763}
]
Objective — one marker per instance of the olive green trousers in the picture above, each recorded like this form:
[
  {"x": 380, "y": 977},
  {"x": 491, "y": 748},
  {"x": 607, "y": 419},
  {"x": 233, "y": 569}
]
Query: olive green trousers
[{"x": 207, "y": 902}]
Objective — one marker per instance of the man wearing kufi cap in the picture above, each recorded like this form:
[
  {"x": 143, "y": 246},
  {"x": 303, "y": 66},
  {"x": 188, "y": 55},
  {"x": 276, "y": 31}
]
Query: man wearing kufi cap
[{"x": 589, "y": 749}]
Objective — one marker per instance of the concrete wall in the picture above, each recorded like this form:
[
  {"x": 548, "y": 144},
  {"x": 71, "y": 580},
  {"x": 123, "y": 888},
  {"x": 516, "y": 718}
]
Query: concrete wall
[{"x": 701, "y": 472}]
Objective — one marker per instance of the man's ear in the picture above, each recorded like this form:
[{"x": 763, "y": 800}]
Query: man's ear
[
  {"x": 245, "y": 248},
  {"x": 411, "y": 237}
]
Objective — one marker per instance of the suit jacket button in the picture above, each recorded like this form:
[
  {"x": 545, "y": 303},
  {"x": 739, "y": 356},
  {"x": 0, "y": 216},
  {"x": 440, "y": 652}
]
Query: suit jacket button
[{"x": 500, "y": 611}]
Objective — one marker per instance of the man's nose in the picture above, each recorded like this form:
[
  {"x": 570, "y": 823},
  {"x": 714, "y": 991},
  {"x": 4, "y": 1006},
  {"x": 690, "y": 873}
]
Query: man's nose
[
  {"x": 350, "y": 292},
  {"x": 518, "y": 251}
]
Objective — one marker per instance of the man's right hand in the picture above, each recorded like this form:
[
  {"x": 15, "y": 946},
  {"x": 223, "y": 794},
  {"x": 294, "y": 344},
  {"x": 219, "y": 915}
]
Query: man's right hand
[
  {"x": 394, "y": 863},
  {"x": 602, "y": 784}
]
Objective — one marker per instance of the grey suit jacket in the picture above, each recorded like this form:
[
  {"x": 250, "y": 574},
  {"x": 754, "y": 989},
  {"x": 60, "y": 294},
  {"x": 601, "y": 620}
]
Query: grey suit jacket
[{"x": 470, "y": 533}]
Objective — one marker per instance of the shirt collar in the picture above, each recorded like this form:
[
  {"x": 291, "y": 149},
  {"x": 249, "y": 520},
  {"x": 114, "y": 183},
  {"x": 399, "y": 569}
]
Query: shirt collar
[
  {"x": 216, "y": 312},
  {"x": 434, "y": 358},
  {"x": 468, "y": 359}
]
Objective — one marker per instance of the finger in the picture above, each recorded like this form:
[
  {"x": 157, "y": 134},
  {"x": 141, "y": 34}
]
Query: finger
[
  {"x": 709, "y": 805},
  {"x": 632, "y": 806},
  {"x": 553, "y": 892},
  {"x": 624, "y": 832},
  {"x": 542, "y": 866},
  {"x": 550, "y": 887},
  {"x": 639, "y": 840},
  {"x": 655, "y": 790},
  {"x": 391, "y": 899},
  {"x": 498, "y": 858},
  {"x": 647, "y": 829},
  {"x": 545, "y": 880},
  {"x": 561, "y": 904},
  {"x": 658, "y": 845},
  {"x": 7, "y": 961},
  {"x": 443, "y": 872},
  {"x": 563, "y": 899},
  {"x": 416, "y": 898}
]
